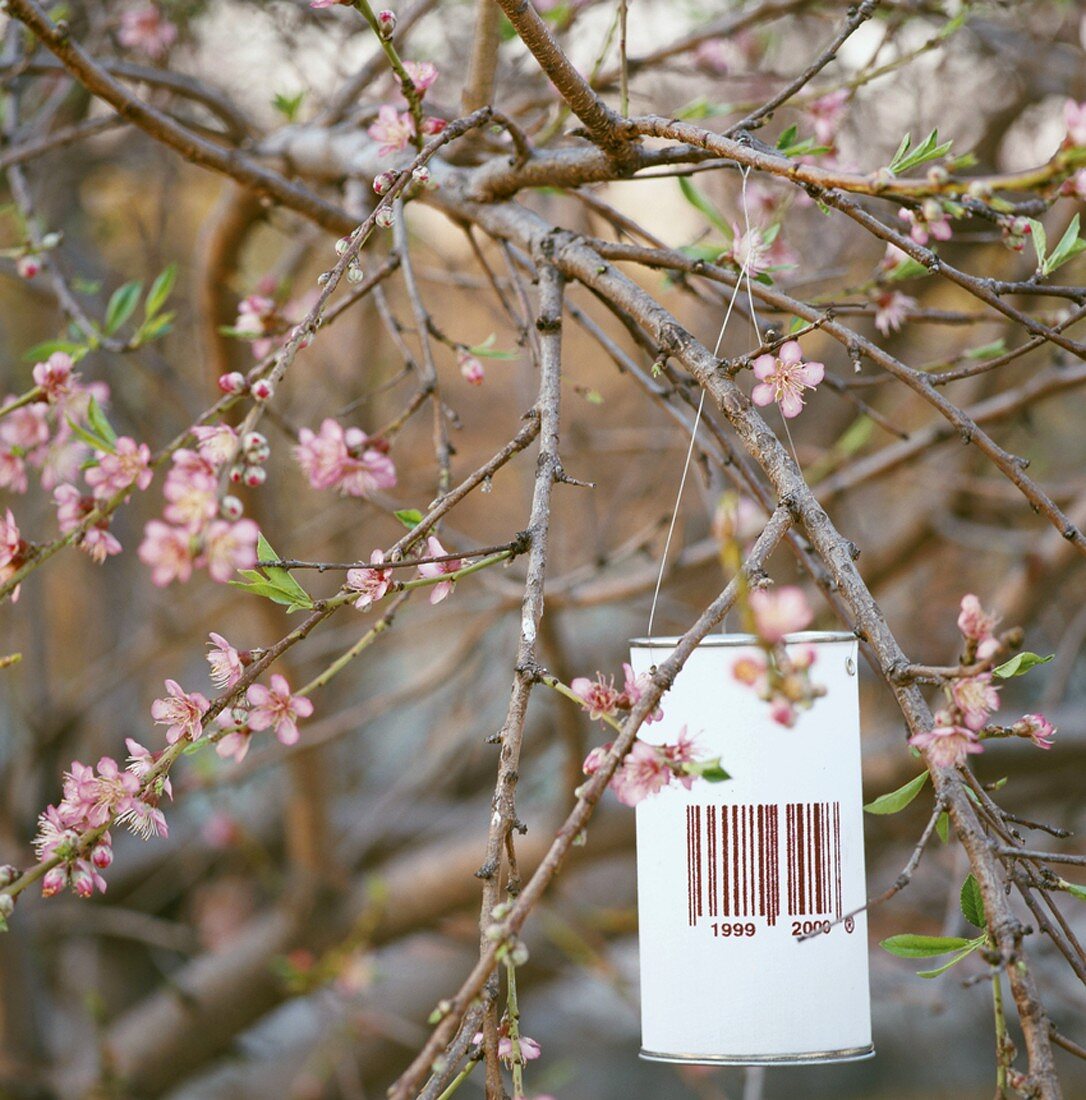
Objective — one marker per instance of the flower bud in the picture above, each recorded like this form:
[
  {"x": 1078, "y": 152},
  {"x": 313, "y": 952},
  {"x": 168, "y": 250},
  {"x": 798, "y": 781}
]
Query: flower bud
[
  {"x": 431, "y": 127},
  {"x": 386, "y": 23},
  {"x": 240, "y": 715},
  {"x": 355, "y": 274},
  {"x": 231, "y": 508},
  {"x": 937, "y": 174},
  {"x": 101, "y": 856},
  {"x": 233, "y": 383},
  {"x": 471, "y": 369},
  {"x": 82, "y": 881},
  {"x": 8, "y": 874},
  {"x": 28, "y": 266},
  {"x": 342, "y": 245},
  {"x": 383, "y": 182},
  {"x": 421, "y": 174},
  {"x": 932, "y": 210},
  {"x": 250, "y": 441},
  {"x": 7, "y": 906},
  {"x": 255, "y": 476},
  {"x": 56, "y": 878},
  {"x": 518, "y": 953},
  {"x": 383, "y": 217},
  {"x": 237, "y": 475},
  {"x": 262, "y": 390},
  {"x": 51, "y": 240}
]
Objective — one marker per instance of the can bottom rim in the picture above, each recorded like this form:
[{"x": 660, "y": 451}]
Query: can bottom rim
[{"x": 855, "y": 1054}]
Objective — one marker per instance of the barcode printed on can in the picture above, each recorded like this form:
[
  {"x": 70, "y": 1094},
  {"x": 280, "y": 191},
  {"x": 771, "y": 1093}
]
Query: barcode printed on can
[{"x": 734, "y": 857}]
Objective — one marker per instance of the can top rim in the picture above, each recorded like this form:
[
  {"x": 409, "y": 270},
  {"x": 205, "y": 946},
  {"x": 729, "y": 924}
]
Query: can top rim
[{"x": 808, "y": 637}]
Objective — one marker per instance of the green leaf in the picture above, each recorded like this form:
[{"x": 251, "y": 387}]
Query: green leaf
[
  {"x": 897, "y": 800},
  {"x": 1074, "y": 889},
  {"x": 697, "y": 200},
  {"x": 908, "y": 268},
  {"x": 972, "y": 902},
  {"x": 911, "y": 946},
  {"x": 942, "y": 826},
  {"x": 98, "y": 422},
  {"x": 1040, "y": 242},
  {"x": 96, "y": 441},
  {"x": 42, "y": 351},
  {"x": 275, "y": 584},
  {"x": 1020, "y": 664},
  {"x": 486, "y": 350},
  {"x": 965, "y": 953},
  {"x": 287, "y": 105},
  {"x": 928, "y": 149},
  {"x": 987, "y": 351},
  {"x": 703, "y": 108},
  {"x": 409, "y": 517},
  {"x": 160, "y": 291},
  {"x": 155, "y": 327},
  {"x": 709, "y": 770},
  {"x": 788, "y": 137},
  {"x": 1069, "y": 247},
  {"x": 121, "y": 306}
]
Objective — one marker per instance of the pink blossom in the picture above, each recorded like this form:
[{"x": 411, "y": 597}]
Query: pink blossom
[
  {"x": 891, "y": 310},
  {"x": 750, "y": 670},
  {"x": 146, "y": 28},
  {"x": 12, "y": 548},
  {"x": 225, "y": 661},
  {"x": 181, "y": 711},
  {"x": 422, "y": 73},
  {"x": 55, "y": 376},
  {"x": 827, "y": 113},
  {"x": 783, "y": 378},
  {"x": 684, "y": 750},
  {"x": 471, "y": 369},
  {"x": 529, "y": 1048},
  {"x": 26, "y": 428},
  {"x": 1074, "y": 115},
  {"x": 85, "y": 879},
  {"x": 371, "y": 584},
  {"x": 738, "y": 519},
  {"x": 433, "y": 569},
  {"x": 216, "y": 443},
  {"x": 644, "y": 772},
  {"x": 947, "y": 744},
  {"x": 140, "y": 762},
  {"x": 976, "y": 698},
  {"x": 598, "y": 696},
  {"x": 191, "y": 490},
  {"x": 347, "y": 458},
  {"x": 29, "y": 265},
  {"x": 393, "y": 128},
  {"x": 1037, "y": 728},
  {"x": 229, "y": 547},
  {"x": 99, "y": 543},
  {"x": 779, "y": 611},
  {"x": 276, "y": 708},
  {"x": 594, "y": 760},
  {"x": 128, "y": 464},
  {"x": 12, "y": 471},
  {"x": 168, "y": 552},
  {"x": 978, "y": 626},
  {"x": 634, "y": 688},
  {"x": 930, "y": 221},
  {"x": 750, "y": 249},
  {"x": 235, "y": 744}
]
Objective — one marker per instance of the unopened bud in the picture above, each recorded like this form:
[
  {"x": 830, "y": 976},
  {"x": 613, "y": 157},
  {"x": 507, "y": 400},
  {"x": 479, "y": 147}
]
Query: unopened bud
[
  {"x": 56, "y": 878},
  {"x": 255, "y": 476},
  {"x": 433, "y": 126},
  {"x": 518, "y": 953},
  {"x": 355, "y": 274},
  {"x": 7, "y": 906},
  {"x": 421, "y": 174},
  {"x": 240, "y": 715},
  {"x": 50, "y": 240},
  {"x": 237, "y": 475},
  {"x": 383, "y": 182},
  {"x": 101, "y": 856},
  {"x": 383, "y": 217},
  {"x": 82, "y": 881},
  {"x": 231, "y": 509},
  {"x": 342, "y": 245},
  {"x": 233, "y": 383},
  {"x": 8, "y": 874},
  {"x": 262, "y": 390},
  {"x": 386, "y": 23},
  {"x": 937, "y": 174},
  {"x": 250, "y": 441}
]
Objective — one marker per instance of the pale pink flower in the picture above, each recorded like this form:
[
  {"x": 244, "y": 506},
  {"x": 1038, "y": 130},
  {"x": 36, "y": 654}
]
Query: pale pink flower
[
  {"x": 26, "y": 428},
  {"x": 371, "y": 584},
  {"x": 738, "y": 519},
  {"x": 225, "y": 661},
  {"x": 783, "y": 378},
  {"x": 54, "y": 836},
  {"x": 99, "y": 543},
  {"x": 529, "y": 1048},
  {"x": 978, "y": 626},
  {"x": 750, "y": 250},
  {"x": 750, "y": 670},
  {"x": 976, "y": 697},
  {"x": 274, "y": 707},
  {"x": 168, "y": 552},
  {"x": 12, "y": 547},
  {"x": 145, "y": 28},
  {"x": 422, "y": 73},
  {"x": 599, "y": 697},
  {"x": 216, "y": 443},
  {"x": 634, "y": 688},
  {"x": 229, "y": 547},
  {"x": 947, "y": 744},
  {"x": 85, "y": 879},
  {"x": 644, "y": 772},
  {"x": 114, "y": 793},
  {"x": 234, "y": 744},
  {"x": 779, "y": 611},
  {"x": 594, "y": 760},
  {"x": 1075, "y": 185},
  {"x": 140, "y": 762},
  {"x": 181, "y": 711},
  {"x": 129, "y": 464},
  {"x": 12, "y": 471},
  {"x": 1074, "y": 115},
  {"x": 827, "y": 113},
  {"x": 347, "y": 458},
  {"x": 891, "y": 310},
  {"x": 433, "y": 569},
  {"x": 63, "y": 459},
  {"x": 929, "y": 222},
  {"x": 393, "y": 129},
  {"x": 1037, "y": 728},
  {"x": 684, "y": 750},
  {"x": 191, "y": 490},
  {"x": 55, "y": 376}
]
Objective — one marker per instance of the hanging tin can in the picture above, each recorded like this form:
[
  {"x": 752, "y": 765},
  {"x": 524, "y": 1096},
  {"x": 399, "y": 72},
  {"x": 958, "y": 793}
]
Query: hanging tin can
[{"x": 732, "y": 876}]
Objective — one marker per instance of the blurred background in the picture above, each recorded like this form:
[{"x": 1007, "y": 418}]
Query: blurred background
[{"x": 313, "y": 904}]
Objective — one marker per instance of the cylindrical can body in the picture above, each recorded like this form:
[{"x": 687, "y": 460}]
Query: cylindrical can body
[{"x": 732, "y": 876}]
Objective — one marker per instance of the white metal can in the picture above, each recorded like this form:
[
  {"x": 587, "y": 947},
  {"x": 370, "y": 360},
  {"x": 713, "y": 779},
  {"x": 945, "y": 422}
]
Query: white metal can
[{"x": 732, "y": 876}]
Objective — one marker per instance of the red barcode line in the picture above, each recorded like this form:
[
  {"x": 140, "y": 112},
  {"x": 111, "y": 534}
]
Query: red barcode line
[{"x": 814, "y": 858}]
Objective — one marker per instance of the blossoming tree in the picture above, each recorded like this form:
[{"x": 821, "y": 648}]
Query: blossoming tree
[{"x": 433, "y": 343}]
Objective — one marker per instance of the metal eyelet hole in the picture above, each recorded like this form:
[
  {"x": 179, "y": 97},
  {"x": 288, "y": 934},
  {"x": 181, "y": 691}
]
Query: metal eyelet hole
[{"x": 850, "y": 666}]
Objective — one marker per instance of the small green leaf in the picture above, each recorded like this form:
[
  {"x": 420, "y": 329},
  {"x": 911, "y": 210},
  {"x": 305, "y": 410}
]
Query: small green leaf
[
  {"x": 987, "y": 351},
  {"x": 709, "y": 770},
  {"x": 1040, "y": 242},
  {"x": 965, "y": 953},
  {"x": 702, "y": 108},
  {"x": 275, "y": 584},
  {"x": 972, "y": 902},
  {"x": 697, "y": 200},
  {"x": 928, "y": 149},
  {"x": 908, "y": 268},
  {"x": 942, "y": 826},
  {"x": 1068, "y": 248},
  {"x": 121, "y": 306},
  {"x": 1074, "y": 889},
  {"x": 160, "y": 291},
  {"x": 486, "y": 350},
  {"x": 1020, "y": 664},
  {"x": 409, "y": 517},
  {"x": 911, "y": 946},
  {"x": 897, "y": 800},
  {"x": 98, "y": 422},
  {"x": 788, "y": 137},
  {"x": 288, "y": 105},
  {"x": 42, "y": 351},
  {"x": 96, "y": 441}
]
